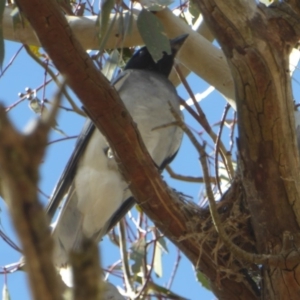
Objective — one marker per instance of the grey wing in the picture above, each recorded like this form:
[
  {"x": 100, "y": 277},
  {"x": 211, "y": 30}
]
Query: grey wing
[
  {"x": 66, "y": 178},
  {"x": 93, "y": 190},
  {"x": 95, "y": 194},
  {"x": 65, "y": 181}
]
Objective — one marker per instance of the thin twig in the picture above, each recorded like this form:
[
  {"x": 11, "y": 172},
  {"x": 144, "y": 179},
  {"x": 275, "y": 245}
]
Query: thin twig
[
  {"x": 174, "y": 271},
  {"x": 201, "y": 114},
  {"x": 9, "y": 241},
  {"x": 63, "y": 139},
  {"x": 124, "y": 258},
  {"x": 11, "y": 61},
  {"x": 206, "y": 126},
  {"x": 231, "y": 137},
  {"x": 227, "y": 107},
  {"x": 54, "y": 77},
  {"x": 187, "y": 178},
  {"x": 148, "y": 273}
]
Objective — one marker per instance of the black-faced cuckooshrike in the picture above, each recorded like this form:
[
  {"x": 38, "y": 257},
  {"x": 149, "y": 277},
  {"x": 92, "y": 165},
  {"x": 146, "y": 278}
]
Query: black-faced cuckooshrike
[{"x": 96, "y": 195}]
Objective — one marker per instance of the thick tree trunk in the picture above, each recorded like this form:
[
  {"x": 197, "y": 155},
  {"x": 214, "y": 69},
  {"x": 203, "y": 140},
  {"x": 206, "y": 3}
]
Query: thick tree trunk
[{"x": 257, "y": 41}]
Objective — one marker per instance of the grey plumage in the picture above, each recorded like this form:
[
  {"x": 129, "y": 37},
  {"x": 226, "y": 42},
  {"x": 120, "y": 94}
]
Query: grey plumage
[{"x": 97, "y": 189}]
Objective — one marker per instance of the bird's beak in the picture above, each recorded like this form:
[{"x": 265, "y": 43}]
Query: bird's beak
[{"x": 178, "y": 42}]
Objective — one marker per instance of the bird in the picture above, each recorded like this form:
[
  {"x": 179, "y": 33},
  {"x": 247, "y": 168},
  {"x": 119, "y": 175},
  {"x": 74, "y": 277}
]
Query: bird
[{"x": 91, "y": 192}]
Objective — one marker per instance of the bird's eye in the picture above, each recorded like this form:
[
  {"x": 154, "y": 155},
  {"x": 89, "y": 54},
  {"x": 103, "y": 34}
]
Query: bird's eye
[
  {"x": 108, "y": 152},
  {"x": 105, "y": 150}
]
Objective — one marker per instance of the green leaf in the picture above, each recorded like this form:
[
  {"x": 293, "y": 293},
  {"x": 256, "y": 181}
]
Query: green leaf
[
  {"x": 158, "y": 261},
  {"x": 203, "y": 280},
  {"x": 163, "y": 244},
  {"x": 5, "y": 292},
  {"x": 2, "y": 48},
  {"x": 194, "y": 11},
  {"x": 152, "y": 33},
  {"x": 111, "y": 64},
  {"x": 106, "y": 8},
  {"x": 126, "y": 23},
  {"x": 137, "y": 255}
]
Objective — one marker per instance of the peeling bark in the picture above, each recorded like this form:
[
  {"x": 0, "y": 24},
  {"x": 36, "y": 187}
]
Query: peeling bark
[{"x": 257, "y": 41}]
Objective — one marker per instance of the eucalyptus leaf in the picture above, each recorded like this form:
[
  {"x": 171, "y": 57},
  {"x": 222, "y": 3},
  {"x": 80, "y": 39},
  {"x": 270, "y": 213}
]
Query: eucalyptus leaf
[
  {"x": 194, "y": 11},
  {"x": 111, "y": 64},
  {"x": 203, "y": 280},
  {"x": 5, "y": 292},
  {"x": 158, "y": 269},
  {"x": 126, "y": 23},
  {"x": 163, "y": 244},
  {"x": 137, "y": 255},
  {"x": 103, "y": 19},
  {"x": 152, "y": 33}
]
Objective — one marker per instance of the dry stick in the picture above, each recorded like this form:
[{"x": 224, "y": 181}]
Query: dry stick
[
  {"x": 206, "y": 126},
  {"x": 51, "y": 73},
  {"x": 11, "y": 61},
  {"x": 187, "y": 178},
  {"x": 217, "y": 147},
  {"x": 174, "y": 271},
  {"x": 280, "y": 260},
  {"x": 61, "y": 106},
  {"x": 201, "y": 119},
  {"x": 201, "y": 114},
  {"x": 63, "y": 139},
  {"x": 148, "y": 273},
  {"x": 124, "y": 258},
  {"x": 232, "y": 132},
  {"x": 9, "y": 241}
]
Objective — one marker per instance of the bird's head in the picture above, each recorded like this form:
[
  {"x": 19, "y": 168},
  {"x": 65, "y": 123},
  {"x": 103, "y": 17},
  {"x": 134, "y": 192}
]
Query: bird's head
[{"x": 143, "y": 60}]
